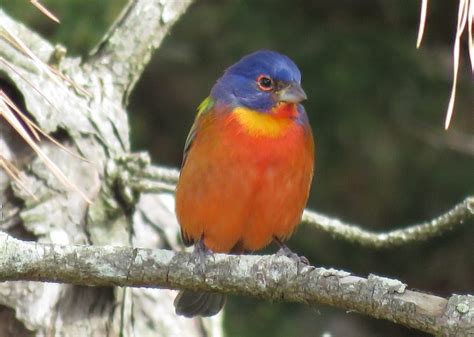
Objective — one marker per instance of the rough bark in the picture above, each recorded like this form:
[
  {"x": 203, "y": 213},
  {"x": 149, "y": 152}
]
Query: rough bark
[
  {"x": 89, "y": 118},
  {"x": 270, "y": 277}
]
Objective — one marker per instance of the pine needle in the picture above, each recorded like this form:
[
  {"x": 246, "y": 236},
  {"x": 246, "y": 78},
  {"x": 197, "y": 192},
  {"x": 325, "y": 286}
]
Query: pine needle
[
  {"x": 462, "y": 20},
  {"x": 52, "y": 73},
  {"x": 470, "y": 20},
  {"x": 421, "y": 29},
  {"x": 6, "y": 111},
  {"x": 12, "y": 68},
  {"x": 35, "y": 129},
  {"x": 465, "y": 18},
  {"x": 16, "y": 175},
  {"x": 44, "y": 10},
  {"x": 22, "y": 47},
  {"x": 8, "y": 107}
]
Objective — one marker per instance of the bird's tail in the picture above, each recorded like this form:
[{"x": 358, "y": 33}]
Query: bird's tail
[{"x": 195, "y": 303}]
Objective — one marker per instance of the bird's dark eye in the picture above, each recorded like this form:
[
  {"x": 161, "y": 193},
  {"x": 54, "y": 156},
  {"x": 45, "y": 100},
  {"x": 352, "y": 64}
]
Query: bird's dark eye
[{"x": 265, "y": 83}]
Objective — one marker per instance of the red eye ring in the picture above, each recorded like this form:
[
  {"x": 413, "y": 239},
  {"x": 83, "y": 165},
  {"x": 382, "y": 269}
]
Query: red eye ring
[{"x": 265, "y": 83}]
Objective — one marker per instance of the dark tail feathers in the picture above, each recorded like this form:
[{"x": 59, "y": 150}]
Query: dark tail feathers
[{"x": 194, "y": 303}]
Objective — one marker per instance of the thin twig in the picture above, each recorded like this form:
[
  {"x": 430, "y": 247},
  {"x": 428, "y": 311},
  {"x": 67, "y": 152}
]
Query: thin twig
[{"x": 456, "y": 216}]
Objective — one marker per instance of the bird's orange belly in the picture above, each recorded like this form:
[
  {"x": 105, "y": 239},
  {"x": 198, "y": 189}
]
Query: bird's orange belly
[{"x": 239, "y": 192}]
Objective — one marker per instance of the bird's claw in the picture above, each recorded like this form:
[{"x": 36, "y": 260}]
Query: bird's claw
[
  {"x": 301, "y": 261},
  {"x": 285, "y": 251},
  {"x": 200, "y": 254}
]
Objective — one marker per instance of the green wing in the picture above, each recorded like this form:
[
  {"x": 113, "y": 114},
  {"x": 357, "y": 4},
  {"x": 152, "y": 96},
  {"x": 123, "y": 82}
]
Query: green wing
[{"x": 203, "y": 108}]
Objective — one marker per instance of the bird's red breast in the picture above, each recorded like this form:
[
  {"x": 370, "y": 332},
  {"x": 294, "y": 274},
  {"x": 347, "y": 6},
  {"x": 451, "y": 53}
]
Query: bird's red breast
[{"x": 246, "y": 178}]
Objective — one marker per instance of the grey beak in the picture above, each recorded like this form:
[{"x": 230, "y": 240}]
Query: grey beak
[{"x": 293, "y": 93}]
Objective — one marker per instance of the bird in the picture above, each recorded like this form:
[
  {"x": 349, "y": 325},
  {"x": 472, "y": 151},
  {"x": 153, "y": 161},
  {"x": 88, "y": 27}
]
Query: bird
[{"x": 247, "y": 167}]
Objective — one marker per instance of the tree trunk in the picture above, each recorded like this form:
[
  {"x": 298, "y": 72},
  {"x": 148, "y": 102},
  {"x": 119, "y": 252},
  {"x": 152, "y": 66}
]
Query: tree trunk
[{"x": 87, "y": 115}]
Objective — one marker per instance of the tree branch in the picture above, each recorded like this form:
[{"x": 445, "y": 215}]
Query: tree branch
[
  {"x": 154, "y": 179},
  {"x": 458, "y": 215},
  {"x": 127, "y": 48},
  {"x": 270, "y": 277}
]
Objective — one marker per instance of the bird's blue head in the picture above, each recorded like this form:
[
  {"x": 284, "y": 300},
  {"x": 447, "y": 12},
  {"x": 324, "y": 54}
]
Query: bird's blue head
[{"x": 259, "y": 81}]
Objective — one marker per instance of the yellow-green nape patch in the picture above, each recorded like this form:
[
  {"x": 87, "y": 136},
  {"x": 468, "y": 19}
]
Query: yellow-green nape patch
[
  {"x": 205, "y": 106},
  {"x": 261, "y": 124}
]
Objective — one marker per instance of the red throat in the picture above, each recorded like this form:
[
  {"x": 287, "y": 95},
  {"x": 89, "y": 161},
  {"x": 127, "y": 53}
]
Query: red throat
[{"x": 285, "y": 110}]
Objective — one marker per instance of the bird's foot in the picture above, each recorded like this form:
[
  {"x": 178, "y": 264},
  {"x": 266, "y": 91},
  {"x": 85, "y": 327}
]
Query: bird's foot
[
  {"x": 200, "y": 253},
  {"x": 285, "y": 251}
]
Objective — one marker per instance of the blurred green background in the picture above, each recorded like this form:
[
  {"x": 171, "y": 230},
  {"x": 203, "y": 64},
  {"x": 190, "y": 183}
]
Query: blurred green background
[{"x": 377, "y": 107}]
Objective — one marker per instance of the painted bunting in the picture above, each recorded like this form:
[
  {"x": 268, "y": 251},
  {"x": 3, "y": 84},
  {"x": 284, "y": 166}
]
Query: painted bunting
[{"x": 247, "y": 166}]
